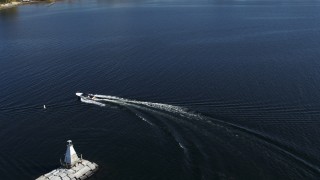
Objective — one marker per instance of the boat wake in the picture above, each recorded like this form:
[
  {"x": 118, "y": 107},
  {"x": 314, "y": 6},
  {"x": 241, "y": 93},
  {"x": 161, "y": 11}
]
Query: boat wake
[
  {"x": 85, "y": 100},
  {"x": 208, "y": 143}
]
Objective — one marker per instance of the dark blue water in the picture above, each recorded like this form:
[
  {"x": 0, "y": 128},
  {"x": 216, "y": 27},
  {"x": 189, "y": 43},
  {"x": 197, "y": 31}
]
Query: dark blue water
[{"x": 238, "y": 83}]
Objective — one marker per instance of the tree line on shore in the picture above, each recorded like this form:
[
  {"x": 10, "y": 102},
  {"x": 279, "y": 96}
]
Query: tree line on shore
[
  {"x": 9, "y": 1},
  {"x": 6, "y": 1}
]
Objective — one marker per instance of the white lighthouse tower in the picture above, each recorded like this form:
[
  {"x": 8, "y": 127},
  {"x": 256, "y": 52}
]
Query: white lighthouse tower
[{"x": 71, "y": 157}]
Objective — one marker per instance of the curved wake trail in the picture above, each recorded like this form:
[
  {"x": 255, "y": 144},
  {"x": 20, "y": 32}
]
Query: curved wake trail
[
  {"x": 132, "y": 107},
  {"x": 166, "y": 107},
  {"x": 182, "y": 117},
  {"x": 92, "y": 102}
]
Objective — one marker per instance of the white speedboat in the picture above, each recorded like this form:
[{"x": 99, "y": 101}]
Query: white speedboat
[
  {"x": 84, "y": 95},
  {"x": 89, "y": 98}
]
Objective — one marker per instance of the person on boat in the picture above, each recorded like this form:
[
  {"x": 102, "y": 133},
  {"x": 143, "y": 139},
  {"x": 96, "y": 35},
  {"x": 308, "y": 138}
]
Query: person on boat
[{"x": 92, "y": 97}]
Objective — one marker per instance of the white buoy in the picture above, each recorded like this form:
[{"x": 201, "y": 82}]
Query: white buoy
[{"x": 44, "y": 107}]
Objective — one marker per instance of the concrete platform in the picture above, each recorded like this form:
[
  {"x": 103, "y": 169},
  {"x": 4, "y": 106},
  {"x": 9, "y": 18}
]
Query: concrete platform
[
  {"x": 81, "y": 170},
  {"x": 73, "y": 167}
]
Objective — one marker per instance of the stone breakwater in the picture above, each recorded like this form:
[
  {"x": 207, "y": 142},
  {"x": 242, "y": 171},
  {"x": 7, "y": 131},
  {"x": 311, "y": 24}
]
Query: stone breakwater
[
  {"x": 82, "y": 170},
  {"x": 73, "y": 167}
]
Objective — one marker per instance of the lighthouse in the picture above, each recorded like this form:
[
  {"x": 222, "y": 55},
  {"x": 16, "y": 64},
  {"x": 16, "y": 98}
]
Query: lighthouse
[
  {"x": 72, "y": 167},
  {"x": 71, "y": 157}
]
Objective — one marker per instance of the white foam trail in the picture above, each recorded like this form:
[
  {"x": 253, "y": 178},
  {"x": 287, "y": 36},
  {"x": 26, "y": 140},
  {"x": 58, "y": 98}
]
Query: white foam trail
[
  {"x": 166, "y": 107},
  {"x": 183, "y": 112},
  {"x": 144, "y": 119},
  {"x": 182, "y": 146},
  {"x": 92, "y": 102},
  {"x": 153, "y": 107},
  {"x": 136, "y": 112}
]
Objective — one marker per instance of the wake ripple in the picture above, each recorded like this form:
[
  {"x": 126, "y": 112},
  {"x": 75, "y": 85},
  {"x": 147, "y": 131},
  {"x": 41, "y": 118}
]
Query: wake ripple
[
  {"x": 181, "y": 115},
  {"x": 170, "y": 108},
  {"x": 92, "y": 102}
]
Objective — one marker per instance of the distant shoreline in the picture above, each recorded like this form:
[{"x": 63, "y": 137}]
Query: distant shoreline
[
  {"x": 9, "y": 5},
  {"x": 15, "y": 4}
]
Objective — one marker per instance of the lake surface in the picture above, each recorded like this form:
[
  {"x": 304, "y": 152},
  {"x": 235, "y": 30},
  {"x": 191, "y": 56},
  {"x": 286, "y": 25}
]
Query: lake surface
[{"x": 202, "y": 89}]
